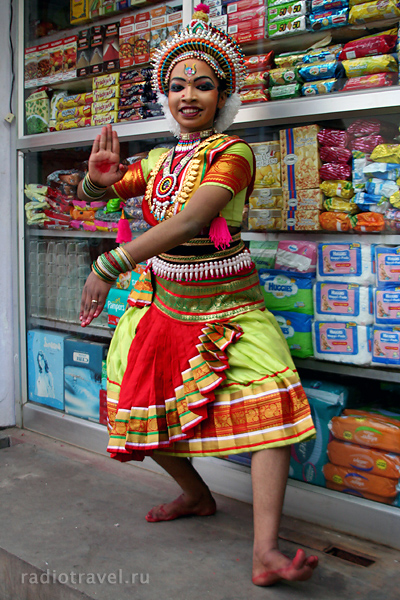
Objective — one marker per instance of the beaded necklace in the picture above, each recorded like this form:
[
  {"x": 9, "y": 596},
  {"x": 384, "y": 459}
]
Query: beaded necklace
[{"x": 167, "y": 189}]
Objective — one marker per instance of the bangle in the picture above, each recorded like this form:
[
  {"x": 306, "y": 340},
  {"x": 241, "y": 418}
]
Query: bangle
[
  {"x": 110, "y": 265},
  {"x": 91, "y": 190}
]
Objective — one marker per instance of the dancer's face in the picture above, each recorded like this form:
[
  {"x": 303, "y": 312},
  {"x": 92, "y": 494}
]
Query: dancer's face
[{"x": 193, "y": 96}]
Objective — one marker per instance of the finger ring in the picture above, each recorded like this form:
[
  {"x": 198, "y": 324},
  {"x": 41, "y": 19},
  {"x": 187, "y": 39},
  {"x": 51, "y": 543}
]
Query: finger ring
[{"x": 95, "y": 301}]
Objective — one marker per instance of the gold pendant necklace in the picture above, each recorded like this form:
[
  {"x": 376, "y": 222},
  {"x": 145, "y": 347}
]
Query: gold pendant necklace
[{"x": 167, "y": 195}]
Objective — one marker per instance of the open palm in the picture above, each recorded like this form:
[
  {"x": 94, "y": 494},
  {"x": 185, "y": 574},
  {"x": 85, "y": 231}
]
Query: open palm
[{"x": 104, "y": 162}]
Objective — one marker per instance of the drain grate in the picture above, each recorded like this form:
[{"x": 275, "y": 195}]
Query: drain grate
[
  {"x": 356, "y": 559},
  {"x": 5, "y": 442}
]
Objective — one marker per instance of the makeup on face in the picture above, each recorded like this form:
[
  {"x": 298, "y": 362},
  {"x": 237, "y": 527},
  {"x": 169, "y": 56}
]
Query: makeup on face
[{"x": 194, "y": 96}]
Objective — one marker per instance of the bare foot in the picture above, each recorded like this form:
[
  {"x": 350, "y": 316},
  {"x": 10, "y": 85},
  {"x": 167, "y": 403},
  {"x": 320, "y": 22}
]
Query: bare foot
[
  {"x": 182, "y": 507},
  {"x": 273, "y": 566}
]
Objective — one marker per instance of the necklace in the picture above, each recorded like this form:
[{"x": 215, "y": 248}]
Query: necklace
[
  {"x": 167, "y": 199},
  {"x": 188, "y": 141},
  {"x": 167, "y": 187}
]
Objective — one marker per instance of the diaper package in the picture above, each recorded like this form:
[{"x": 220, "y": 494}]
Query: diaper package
[
  {"x": 386, "y": 346},
  {"x": 387, "y": 306},
  {"x": 367, "y": 430},
  {"x": 287, "y": 291},
  {"x": 263, "y": 254},
  {"x": 343, "y": 302},
  {"x": 380, "y": 486},
  {"x": 387, "y": 259},
  {"x": 307, "y": 458},
  {"x": 342, "y": 342},
  {"x": 293, "y": 255},
  {"x": 369, "y": 460},
  {"x": 347, "y": 261},
  {"x": 297, "y": 330}
]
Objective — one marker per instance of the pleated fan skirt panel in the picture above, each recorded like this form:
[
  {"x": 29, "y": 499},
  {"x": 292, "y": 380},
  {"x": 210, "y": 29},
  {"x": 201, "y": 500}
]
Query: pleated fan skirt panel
[{"x": 203, "y": 371}]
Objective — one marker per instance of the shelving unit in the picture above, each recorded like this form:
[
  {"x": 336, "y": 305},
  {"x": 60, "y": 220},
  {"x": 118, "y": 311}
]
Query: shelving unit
[{"x": 360, "y": 517}]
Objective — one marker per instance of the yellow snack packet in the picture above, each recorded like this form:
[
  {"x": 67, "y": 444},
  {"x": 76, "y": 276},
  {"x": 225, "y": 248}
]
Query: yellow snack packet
[
  {"x": 395, "y": 199},
  {"x": 368, "y": 65},
  {"x": 388, "y": 153},
  {"x": 337, "y": 187},
  {"x": 373, "y": 11},
  {"x": 337, "y": 204}
]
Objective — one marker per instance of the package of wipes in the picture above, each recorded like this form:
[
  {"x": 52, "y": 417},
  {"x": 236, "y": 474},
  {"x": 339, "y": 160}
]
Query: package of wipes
[
  {"x": 293, "y": 255},
  {"x": 297, "y": 330},
  {"x": 263, "y": 254},
  {"x": 287, "y": 291},
  {"x": 342, "y": 342},
  {"x": 387, "y": 259},
  {"x": 326, "y": 400},
  {"x": 352, "y": 262},
  {"x": 387, "y": 306},
  {"x": 386, "y": 346},
  {"x": 343, "y": 302}
]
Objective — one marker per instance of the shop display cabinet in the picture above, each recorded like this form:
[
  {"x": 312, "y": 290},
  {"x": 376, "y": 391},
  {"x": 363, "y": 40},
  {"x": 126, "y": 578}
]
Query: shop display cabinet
[{"x": 53, "y": 264}]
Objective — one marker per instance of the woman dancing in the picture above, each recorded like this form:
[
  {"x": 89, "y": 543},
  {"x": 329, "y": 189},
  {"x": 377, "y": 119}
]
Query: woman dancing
[{"x": 197, "y": 366}]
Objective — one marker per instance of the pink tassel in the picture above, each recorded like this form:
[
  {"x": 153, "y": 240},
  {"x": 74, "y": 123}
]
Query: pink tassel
[
  {"x": 202, "y": 8},
  {"x": 219, "y": 233},
  {"x": 124, "y": 234}
]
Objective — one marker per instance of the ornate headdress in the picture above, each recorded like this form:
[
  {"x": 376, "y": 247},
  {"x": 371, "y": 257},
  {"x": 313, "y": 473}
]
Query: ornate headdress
[{"x": 202, "y": 41}]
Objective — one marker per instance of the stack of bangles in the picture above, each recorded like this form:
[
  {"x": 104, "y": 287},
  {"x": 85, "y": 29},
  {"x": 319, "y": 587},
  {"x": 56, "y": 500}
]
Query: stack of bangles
[
  {"x": 91, "y": 190},
  {"x": 110, "y": 265}
]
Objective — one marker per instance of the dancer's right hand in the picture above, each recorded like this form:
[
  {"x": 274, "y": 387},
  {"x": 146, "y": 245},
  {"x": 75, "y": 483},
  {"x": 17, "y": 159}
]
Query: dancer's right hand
[{"x": 104, "y": 166}]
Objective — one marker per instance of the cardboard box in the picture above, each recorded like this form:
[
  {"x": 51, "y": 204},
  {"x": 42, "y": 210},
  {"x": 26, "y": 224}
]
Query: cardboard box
[
  {"x": 82, "y": 377},
  {"x": 268, "y": 164},
  {"x": 301, "y": 220},
  {"x": 246, "y": 15},
  {"x": 270, "y": 198},
  {"x": 30, "y": 67},
  {"x": 127, "y": 42},
  {"x": 303, "y": 199},
  {"x": 46, "y": 367},
  {"x": 96, "y": 49},
  {"x": 261, "y": 220},
  {"x": 158, "y": 33},
  {"x": 43, "y": 63},
  {"x": 111, "y": 47},
  {"x": 56, "y": 61},
  {"x": 94, "y": 9},
  {"x": 108, "y": 7},
  {"x": 79, "y": 11},
  {"x": 142, "y": 40},
  {"x": 69, "y": 57},
  {"x": 159, "y": 11},
  {"x": 83, "y": 54},
  {"x": 300, "y": 157},
  {"x": 247, "y": 26},
  {"x": 221, "y": 21},
  {"x": 244, "y": 5},
  {"x": 174, "y": 24},
  {"x": 246, "y": 37}
]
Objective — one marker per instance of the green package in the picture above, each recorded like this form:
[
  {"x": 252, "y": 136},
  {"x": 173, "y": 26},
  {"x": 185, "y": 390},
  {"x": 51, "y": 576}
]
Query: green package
[
  {"x": 297, "y": 331},
  {"x": 282, "y": 92},
  {"x": 37, "y": 112},
  {"x": 287, "y": 291},
  {"x": 263, "y": 254},
  {"x": 284, "y": 75}
]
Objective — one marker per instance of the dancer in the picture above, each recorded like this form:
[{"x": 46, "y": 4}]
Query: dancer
[{"x": 197, "y": 366}]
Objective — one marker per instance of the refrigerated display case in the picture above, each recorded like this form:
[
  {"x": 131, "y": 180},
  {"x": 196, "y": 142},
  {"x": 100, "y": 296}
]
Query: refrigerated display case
[{"x": 54, "y": 261}]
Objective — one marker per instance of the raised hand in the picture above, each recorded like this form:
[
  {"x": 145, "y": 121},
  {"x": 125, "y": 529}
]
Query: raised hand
[{"x": 104, "y": 166}]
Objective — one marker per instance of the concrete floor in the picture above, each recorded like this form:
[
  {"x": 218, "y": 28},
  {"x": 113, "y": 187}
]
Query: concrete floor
[{"x": 79, "y": 516}]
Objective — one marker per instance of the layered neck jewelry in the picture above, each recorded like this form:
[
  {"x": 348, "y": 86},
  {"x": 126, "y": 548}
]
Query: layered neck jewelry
[
  {"x": 167, "y": 188},
  {"x": 188, "y": 141}
]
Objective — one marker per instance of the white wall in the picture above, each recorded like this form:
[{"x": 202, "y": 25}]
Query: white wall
[{"x": 7, "y": 223}]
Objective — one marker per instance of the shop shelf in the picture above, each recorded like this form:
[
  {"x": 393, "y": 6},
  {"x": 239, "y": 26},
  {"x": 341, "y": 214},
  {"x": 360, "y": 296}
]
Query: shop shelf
[
  {"x": 322, "y": 236},
  {"x": 72, "y": 233},
  {"x": 92, "y": 330},
  {"x": 379, "y": 374},
  {"x": 299, "y": 110}
]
